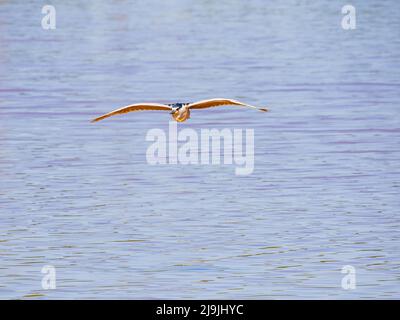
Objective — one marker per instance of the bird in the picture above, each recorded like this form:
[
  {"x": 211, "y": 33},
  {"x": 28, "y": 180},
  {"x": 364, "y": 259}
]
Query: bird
[{"x": 180, "y": 111}]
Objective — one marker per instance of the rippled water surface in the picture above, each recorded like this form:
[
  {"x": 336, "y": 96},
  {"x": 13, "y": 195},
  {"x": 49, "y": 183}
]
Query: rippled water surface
[{"x": 81, "y": 197}]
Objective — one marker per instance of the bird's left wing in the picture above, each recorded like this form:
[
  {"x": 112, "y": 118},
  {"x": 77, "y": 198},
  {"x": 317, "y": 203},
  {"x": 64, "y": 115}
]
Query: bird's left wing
[
  {"x": 220, "y": 102},
  {"x": 134, "y": 107}
]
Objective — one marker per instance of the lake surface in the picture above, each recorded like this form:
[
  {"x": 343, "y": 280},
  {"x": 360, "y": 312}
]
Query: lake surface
[{"x": 81, "y": 197}]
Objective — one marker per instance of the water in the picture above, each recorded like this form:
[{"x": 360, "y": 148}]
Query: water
[{"x": 81, "y": 197}]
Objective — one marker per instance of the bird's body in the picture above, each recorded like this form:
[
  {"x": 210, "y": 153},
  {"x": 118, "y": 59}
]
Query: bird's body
[{"x": 180, "y": 111}]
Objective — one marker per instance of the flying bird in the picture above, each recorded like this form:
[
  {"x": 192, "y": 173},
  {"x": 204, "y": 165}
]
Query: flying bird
[{"x": 180, "y": 111}]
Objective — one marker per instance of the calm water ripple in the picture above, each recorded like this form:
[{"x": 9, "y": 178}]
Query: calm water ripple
[{"x": 81, "y": 197}]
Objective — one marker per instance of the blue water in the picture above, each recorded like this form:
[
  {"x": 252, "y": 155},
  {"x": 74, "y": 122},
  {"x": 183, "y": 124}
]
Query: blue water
[{"x": 81, "y": 197}]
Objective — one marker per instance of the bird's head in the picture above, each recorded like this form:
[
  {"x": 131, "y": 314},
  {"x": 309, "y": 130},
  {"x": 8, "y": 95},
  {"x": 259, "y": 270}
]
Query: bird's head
[
  {"x": 176, "y": 107},
  {"x": 174, "y": 110}
]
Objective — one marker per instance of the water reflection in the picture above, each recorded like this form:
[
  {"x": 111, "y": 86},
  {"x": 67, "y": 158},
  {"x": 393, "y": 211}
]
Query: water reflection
[{"x": 324, "y": 192}]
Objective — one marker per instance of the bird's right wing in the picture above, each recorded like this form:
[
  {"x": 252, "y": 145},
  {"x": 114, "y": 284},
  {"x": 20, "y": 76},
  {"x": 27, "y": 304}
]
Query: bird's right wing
[{"x": 133, "y": 108}]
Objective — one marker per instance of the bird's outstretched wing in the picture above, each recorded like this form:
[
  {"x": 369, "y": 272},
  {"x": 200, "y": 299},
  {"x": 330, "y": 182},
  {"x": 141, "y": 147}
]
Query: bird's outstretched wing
[
  {"x": 220, "y": 102},
  {"x": 134, "y": 107}
]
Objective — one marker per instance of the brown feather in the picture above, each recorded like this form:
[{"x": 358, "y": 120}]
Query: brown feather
[
  {"x": 133, "y": 108},
  {"x": 220, "y": 102}
]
